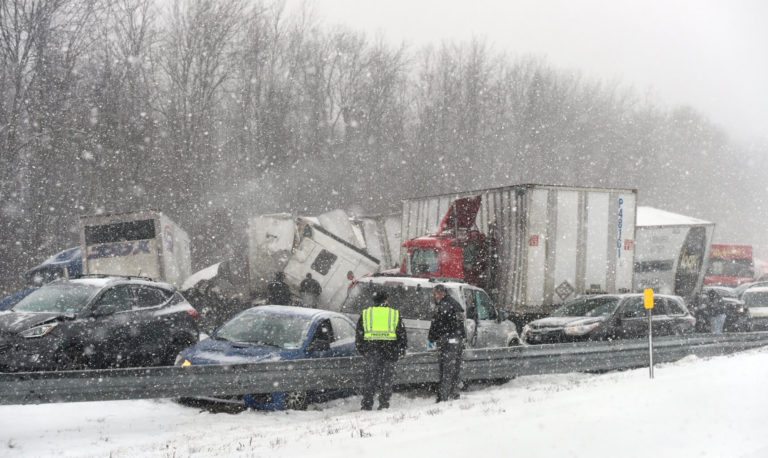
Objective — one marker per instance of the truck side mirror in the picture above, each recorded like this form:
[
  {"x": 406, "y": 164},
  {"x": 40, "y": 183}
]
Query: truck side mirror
[{"x": 472, "y": 313}]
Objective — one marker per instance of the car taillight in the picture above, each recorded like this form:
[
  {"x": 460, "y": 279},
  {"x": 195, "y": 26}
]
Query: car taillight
[{"x": 193, "y": 313}]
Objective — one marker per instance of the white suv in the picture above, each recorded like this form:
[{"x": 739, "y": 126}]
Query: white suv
[{"x": 486, "y": 325}]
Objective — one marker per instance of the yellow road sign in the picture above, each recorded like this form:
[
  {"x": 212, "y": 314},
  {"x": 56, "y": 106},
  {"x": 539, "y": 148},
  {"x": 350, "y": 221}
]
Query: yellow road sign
[{"x": 648, "y": 298}]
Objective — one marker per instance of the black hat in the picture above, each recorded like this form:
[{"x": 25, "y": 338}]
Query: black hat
[
  {"x": 379, "y": 297},
  {"x": 441, "y": 287}
]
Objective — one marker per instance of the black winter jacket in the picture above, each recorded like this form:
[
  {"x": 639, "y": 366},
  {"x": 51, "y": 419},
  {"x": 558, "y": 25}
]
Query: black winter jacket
[
  {"x": 278, "y": 293},
  {"x": 390, "y": 350},
  {"x": 448, "y": 321}
]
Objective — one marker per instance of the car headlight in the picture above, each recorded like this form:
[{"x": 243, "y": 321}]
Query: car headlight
[
  {"x": 526, "y": 330},
  {"x": 39, "y": 331},
  {"x": 580, "y": 329}
]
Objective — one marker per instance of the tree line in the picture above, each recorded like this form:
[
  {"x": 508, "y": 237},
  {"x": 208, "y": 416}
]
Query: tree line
[{"x": 217, "y": 110}]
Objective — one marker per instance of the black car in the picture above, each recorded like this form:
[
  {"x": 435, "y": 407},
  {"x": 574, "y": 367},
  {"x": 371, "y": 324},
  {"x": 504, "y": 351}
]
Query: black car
[
  {"x": 603, "y": 317},
  {"x": 96, "y": 322}
]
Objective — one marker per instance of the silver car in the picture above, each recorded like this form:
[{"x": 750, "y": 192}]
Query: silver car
[{"x": 486, "y": 325}]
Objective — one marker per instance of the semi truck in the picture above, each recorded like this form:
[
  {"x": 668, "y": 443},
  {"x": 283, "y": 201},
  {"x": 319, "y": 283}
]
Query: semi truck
[
  {"x": 672, "y": 252},
  {"x": 530, "y": 246},
  {"x": 730, "y": 265},
  {"x": 145, "y": 243}
]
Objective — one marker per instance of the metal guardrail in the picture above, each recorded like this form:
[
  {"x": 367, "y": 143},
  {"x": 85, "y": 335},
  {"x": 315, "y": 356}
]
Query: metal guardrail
[{"x": 341, "y": 373}]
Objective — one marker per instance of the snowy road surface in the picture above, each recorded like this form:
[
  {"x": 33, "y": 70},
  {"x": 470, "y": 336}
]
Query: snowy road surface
[{"x": 694, "y": 408}]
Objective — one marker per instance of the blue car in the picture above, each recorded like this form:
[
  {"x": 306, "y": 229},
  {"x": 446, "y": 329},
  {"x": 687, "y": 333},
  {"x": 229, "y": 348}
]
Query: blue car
[{"x": 275, "y": 333}]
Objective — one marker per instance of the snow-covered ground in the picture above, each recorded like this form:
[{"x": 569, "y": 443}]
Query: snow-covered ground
[{"x": 693, "y": 408}]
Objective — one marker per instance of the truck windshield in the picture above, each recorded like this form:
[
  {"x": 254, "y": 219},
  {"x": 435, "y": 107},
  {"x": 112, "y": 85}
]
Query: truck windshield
[
  {"x": 598, "y": 306},
  {"x": 413, "y": 302},
  {"x": 424, "y": 261},
  {"x": 65, "y": 298},
  {"x": 730, "y": 267}
]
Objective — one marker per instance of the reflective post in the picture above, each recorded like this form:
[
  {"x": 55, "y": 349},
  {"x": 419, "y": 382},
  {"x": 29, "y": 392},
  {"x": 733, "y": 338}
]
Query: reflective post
[{"x": 648, "y": 302}]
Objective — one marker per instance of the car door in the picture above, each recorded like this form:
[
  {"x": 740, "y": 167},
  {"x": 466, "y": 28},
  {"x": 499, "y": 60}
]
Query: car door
[
  {"x": 633, "y": 321},
  {"x": 110, "y": 337},
  {"x": 152, "y": 330},
  {"x": 343, "y": 337},
  {"x": 663, "y": 324},
  {"x": 321, "y": 339},
  {"x": 490, "y": 331},
  {"x": 681, "y": 323}
]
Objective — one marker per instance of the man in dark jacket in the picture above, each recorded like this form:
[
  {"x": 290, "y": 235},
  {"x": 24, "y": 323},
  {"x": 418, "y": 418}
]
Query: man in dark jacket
[
  {"x": 310, "y": 291},
  {"x": 716, "y": 312},
  {"x": 381, "y": 339},
  {"x": 277, "y": 291},
  {"x": 447, "y": 331}
]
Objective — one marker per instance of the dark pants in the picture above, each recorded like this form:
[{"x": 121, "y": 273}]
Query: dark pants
[
  {"x": 450, "y": 368},
  {"x": 379, "y": 372}
]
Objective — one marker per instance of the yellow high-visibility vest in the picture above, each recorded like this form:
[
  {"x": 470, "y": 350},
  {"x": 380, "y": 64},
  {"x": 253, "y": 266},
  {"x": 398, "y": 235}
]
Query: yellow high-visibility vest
[{"x": 380, "y": 323}]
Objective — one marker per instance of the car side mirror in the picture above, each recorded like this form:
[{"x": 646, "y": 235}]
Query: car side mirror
[
  {"x": 104, "y": 310},
  {"x": 472, "y": 313},
  {"x": 501, "y": 315}
]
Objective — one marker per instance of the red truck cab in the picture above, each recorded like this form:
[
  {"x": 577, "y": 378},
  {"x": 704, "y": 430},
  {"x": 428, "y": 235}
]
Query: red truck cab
[
  {"x": 730, "y": 265},
  {"x": 458, "y": 250}
]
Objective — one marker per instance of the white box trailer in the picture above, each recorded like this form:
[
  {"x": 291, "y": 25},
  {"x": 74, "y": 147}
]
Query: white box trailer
[
  {"x": 545, "y": 244},
  {"x": 297, "y": 246},
  {"x": 672, "y": 252},
  {"x": 146, "y": 243}
]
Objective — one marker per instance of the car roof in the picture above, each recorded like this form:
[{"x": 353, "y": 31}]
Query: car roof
[
  {"x": 102, "y": 282},
  {"x": 756, "y": 289},
  {"x": 290, "y": 310},
  {"x": 413, "y": 281}
]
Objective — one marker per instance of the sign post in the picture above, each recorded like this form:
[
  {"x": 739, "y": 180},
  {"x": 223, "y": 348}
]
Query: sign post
[{"x": 648, "y": 302}]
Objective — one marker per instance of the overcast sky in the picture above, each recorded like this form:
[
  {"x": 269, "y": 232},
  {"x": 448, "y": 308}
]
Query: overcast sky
[{"x": 709, "y": 54}]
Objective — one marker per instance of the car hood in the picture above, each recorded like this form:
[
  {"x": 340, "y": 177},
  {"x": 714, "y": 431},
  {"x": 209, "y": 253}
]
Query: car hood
[
  {"x": 16, "y": 322},
  {"x": 212, "y": 351},
  {"x": 563, "y": 321}
]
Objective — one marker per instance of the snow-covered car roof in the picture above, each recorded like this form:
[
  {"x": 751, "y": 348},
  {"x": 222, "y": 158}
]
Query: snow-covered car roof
[
  {"x": 287, "y": 310},
  {"x": 104, "y": 281},
  {"x": 412, "y": 281},
  {"x": 756, "y": 289}
]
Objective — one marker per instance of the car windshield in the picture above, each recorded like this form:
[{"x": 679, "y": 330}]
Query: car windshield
[
  {"x": 266, "y": 328},
  {"x": 598, "y": 306},
  {"x": 756, "y": 299},
  {"x": 730, "y": 267},
  {"x": 65, "y": 298}
]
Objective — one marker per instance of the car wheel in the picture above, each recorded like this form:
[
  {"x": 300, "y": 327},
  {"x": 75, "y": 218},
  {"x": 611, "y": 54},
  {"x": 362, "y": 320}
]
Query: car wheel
[
  {"x": 514, "y": 342},
  {"x": 296, "y": 400}
]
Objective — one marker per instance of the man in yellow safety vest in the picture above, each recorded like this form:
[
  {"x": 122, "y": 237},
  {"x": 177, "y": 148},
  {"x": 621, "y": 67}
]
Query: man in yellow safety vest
[{"x": 381, "y": 339}]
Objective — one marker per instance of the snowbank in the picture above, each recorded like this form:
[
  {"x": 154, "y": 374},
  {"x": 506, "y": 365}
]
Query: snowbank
[{"x": 710, "y": 408}]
